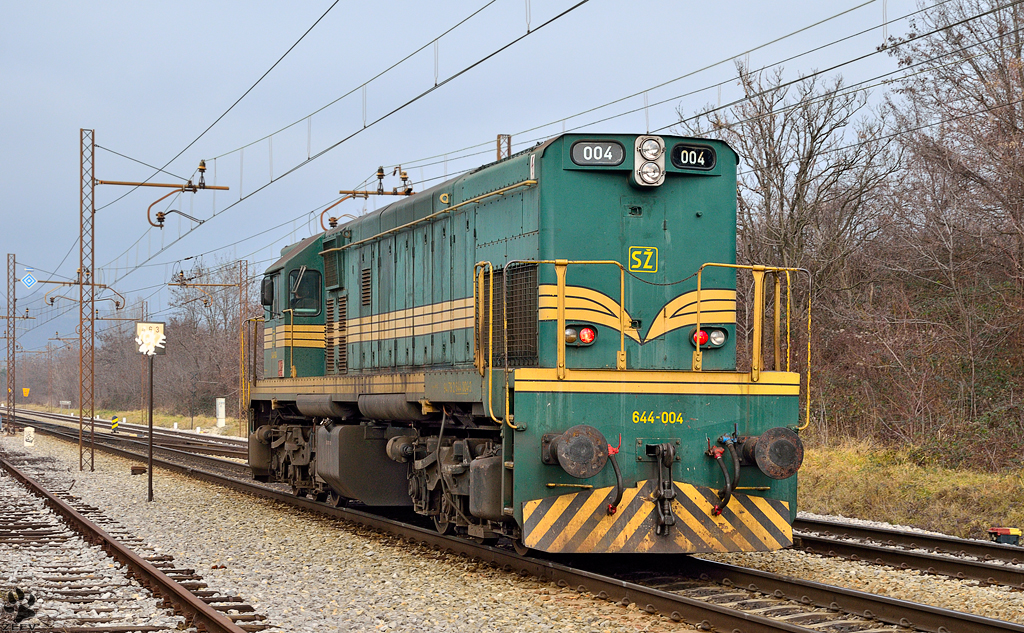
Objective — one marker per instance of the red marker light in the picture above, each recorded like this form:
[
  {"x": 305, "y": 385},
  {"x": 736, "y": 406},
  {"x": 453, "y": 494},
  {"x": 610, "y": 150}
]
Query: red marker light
[
  {"x": 700, "y": 337},
  {"x": 587, "y": 335}
]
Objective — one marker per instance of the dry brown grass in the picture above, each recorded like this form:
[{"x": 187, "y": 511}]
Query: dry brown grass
[{"x": 856, "y": 479}]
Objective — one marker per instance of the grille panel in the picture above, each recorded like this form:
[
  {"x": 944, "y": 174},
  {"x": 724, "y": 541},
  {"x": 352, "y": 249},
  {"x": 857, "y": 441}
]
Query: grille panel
[
  {"x": 336, "y": 336},
  {"x": 522, "y": 328},
  {"x": 331, "y": 269},
  {"x": 365, "y": 287}
]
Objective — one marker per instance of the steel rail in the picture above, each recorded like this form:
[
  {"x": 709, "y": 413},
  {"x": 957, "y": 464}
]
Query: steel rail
[
  {"x": 61, "y": 431},
  {"x": 180, "y": 599},
  {"x": 899, "y": 612},
  {"x": 181, "y": 434},
  {"x": 650, "y": 599},
  {"x": 983, "y": 550},
  {"x": 942, "y": 564},
  {"x": 184, "y": 443}
]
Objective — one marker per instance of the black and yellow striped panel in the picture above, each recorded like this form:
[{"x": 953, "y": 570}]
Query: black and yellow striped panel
[{"x": 579, "y": 522}]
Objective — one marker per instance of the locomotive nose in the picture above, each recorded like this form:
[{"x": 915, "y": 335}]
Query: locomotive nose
[{"x": 778, "y": 452}]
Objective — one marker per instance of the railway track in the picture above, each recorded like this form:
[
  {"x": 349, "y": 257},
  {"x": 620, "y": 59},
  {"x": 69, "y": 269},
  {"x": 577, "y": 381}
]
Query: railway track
[
  {"x": 991, "y": 563},
  {"x": 709, "y": 595},
  {"x": 137, "y": 447},
  {"x": 78, "y": 570},
  {"x": 188, "y": 441}
]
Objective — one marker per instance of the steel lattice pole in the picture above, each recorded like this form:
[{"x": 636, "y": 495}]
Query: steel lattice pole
[
  {"x": 11, "y": 358},
  {"x": 87, "y": 296}
]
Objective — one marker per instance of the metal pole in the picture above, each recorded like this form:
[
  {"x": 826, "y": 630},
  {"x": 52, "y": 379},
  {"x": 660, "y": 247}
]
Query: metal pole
[
  {"x": 142, "y": 372},
  {"x": 87, "y": 300},
  {"x": 150, "y": 428},
  {"x": 11, "y": 341},
  {"x": 49, "y": 377}
]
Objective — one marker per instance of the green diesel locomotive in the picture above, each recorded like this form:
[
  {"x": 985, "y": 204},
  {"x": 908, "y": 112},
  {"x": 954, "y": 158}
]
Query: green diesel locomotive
[{"x": 544, "y": 348}]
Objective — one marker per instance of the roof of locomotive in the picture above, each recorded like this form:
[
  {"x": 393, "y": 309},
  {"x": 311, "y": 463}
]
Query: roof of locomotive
[
  {"x": 291, "y": 251},
  {"x": 376, "y": 217}
]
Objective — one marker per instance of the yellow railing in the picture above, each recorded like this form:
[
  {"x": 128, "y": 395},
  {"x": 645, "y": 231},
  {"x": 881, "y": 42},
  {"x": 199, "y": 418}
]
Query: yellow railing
[
  {"x": 757, "y": 351},
  {"x": 430, "y": 218},
  {"x": 247, "y": 378},
  {"x": 486, "y": 366}
]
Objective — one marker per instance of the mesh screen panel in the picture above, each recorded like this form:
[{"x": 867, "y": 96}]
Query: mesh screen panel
[{"x": 521, "y": 302}]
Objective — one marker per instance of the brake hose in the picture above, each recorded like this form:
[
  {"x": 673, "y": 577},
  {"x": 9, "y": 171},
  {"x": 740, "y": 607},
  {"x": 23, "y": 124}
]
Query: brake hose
[
  {"x": 613, "y": 506},
  {"x": 716, "y": 453},
  {"x": 612, "y": 452}
]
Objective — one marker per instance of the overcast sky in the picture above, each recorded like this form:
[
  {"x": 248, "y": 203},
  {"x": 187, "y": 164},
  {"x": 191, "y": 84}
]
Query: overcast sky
[{"x": 150, "y": 77}]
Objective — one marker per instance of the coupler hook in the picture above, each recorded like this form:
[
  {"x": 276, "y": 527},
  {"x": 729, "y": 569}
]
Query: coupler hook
[{"x": 665, "y": 455}]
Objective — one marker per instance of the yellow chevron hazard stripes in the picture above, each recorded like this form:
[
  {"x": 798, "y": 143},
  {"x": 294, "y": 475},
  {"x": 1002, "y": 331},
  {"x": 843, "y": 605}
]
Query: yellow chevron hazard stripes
[
  {"x": 579, "y": 522},
  {"x": 584, "y": 304}
]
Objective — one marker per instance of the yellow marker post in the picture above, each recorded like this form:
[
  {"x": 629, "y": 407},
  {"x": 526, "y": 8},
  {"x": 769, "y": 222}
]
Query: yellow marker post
[
  {"x": 24, "y": 391},
  {"x": 113, "y": 424}
]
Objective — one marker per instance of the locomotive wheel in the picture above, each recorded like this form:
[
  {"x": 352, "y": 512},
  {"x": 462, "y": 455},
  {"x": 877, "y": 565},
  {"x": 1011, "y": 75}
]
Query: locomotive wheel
[
  {"x": 520, "y": 547},
  {"x": 443, "y": 525},
  {"x": 482, "y": 540},
  {"x": 336, "y": 500}
]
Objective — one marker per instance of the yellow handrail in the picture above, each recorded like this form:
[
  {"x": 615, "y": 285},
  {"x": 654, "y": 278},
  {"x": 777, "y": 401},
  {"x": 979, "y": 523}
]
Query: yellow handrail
[
  {"x": 487, "y": 366},
  {"x": 428, "y": 218},
  {"x": 561, "y": 269},
  {"x": 756, "y": 353},
  {"x": 290, "y": 331}
]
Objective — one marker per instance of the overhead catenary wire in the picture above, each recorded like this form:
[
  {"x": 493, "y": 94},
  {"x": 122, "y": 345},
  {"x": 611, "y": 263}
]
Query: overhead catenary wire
[
  {"x": 363, "y": 85},
  {"x": 308, "y": 117},
  {"x": 573, "y": 128},
  {"x": 731, "y": 104},
  {"x": 852, "y": 88},
  {"x": 369, "y": 125},
  {"x": 415, "y": 162},
  {"x": 309, "y": 157}
]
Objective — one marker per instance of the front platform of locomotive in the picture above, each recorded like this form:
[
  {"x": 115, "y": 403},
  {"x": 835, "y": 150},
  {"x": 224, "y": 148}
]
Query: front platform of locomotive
[{"x": 637, "y": 431}]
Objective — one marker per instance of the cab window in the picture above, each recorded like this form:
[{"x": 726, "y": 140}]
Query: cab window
[{"x": 304, "y": 291}]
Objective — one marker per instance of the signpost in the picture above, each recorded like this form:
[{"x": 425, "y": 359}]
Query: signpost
[
  {"x": 221, "y": 412},
  {"x": 151, "y": 341}
]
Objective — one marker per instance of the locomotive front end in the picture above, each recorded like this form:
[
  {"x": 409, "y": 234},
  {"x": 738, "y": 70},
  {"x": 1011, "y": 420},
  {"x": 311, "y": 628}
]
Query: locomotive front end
[{"x": 635, "y": 430}]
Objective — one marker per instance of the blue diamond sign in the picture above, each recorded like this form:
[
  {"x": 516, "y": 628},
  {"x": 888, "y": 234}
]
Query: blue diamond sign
[{"x": 29, "y": 281}]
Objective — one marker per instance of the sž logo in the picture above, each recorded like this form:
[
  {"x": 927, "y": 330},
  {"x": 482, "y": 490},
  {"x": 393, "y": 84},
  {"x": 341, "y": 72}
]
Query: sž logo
[{"x": 17, "y": 606}]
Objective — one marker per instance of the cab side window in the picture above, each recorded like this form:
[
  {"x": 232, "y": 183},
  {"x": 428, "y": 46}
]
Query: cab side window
[
  {"x": 304, "y": 292},
  {"x": 267, "y": 295}
]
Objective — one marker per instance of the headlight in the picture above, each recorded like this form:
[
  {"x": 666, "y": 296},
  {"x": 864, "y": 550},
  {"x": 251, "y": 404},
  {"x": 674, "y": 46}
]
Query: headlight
[
  {"x": 650, "y": 149},
  {"x": 716, "y": 337},
  {"x": 650, "y": 173}
]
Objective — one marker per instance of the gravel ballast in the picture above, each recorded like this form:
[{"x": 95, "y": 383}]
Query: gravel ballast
[
  {"x": 313, "y": 573},
  {"x": 309, "y": 573}
]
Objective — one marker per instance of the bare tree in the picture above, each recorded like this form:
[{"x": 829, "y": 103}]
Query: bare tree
[{"x": 812, "y": 171}]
